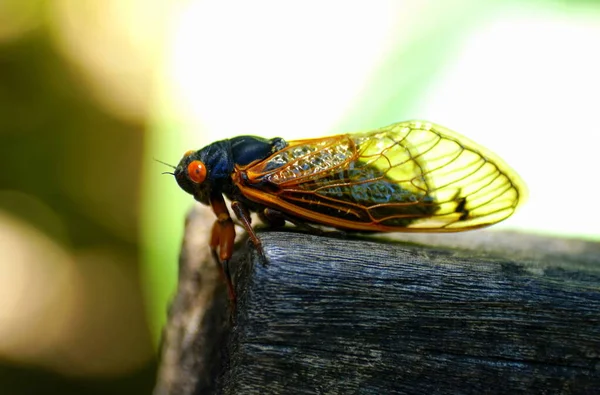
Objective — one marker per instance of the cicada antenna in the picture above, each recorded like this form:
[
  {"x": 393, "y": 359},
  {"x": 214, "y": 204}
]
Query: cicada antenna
[{"x": 166, "y": 164}]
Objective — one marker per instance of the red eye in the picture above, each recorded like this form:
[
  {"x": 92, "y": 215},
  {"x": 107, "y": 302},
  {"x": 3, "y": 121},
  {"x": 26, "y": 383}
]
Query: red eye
[{"x": 196, "y": 171}]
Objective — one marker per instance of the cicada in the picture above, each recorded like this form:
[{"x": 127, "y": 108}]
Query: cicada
[{"x": 411, "y": 176}]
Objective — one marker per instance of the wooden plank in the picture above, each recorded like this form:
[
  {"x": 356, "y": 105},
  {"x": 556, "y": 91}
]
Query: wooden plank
[
  {"x": 478, "y": 312},
  {"x": 355, "y": 316}
]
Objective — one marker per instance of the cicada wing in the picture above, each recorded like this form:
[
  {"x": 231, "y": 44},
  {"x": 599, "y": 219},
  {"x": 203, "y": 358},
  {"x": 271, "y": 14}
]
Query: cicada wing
[{"x": 409, "y": 176}]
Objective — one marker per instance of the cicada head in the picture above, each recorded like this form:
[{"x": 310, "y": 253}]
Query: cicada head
[
  {"x": 205, "y": 171},
  {"x": 191, "y": 175}
]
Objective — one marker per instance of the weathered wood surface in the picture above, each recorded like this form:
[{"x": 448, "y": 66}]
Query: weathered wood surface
[
  {"x": 193, "y": 340},
  {"x": 490, "y": 312}
]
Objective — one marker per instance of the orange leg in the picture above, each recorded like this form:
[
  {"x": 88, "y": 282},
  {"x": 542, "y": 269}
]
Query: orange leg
[
  {"x": 242, "y": 213},
  {"x": 223, "y": 239},
  {"x": 223, "y": 235}
]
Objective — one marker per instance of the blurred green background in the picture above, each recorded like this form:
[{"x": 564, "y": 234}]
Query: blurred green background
[{"x": 92, "y": 91}]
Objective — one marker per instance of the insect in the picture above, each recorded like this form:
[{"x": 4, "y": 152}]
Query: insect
[{"x": 411, "y": 176}]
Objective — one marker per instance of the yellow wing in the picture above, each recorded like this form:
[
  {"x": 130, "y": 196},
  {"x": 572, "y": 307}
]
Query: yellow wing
[{"x": 410, "y": 176}]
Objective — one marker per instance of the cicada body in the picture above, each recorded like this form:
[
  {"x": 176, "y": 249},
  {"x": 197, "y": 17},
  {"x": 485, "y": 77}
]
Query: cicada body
[{"x": 411, "y": 176}]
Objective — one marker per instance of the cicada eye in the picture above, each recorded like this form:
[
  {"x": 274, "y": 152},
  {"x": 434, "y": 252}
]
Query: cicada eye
[{"x": 196, "y": 171}]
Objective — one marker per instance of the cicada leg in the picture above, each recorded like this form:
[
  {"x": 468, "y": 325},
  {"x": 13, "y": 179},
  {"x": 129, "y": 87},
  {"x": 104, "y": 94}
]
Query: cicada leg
[
  {"x": 242, "y": 213},
  {"x": 278, "y": 218},
  {"x": 272, "y": 218},
  {"x": 223, "y": 239}
]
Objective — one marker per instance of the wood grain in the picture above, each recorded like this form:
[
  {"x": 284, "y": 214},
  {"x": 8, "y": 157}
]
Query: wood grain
[
  {"x": 353, "y": 316},
  {"x": 478, "y": 312}
]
